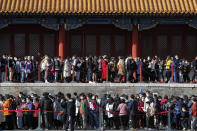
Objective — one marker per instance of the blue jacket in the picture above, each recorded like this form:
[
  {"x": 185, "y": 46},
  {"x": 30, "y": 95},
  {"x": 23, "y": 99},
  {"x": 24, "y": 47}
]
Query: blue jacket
[
  {"x": 133, "y": 107},
  {"x": 30, "y": 106},
  {"x": 138, "y": 63}
]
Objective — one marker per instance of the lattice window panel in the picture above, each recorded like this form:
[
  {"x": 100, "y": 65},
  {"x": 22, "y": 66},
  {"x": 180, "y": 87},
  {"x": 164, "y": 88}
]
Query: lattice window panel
[
  {"x": 34, "y": 41},
  {"x": 91, "y": 45},
  {"x": 119, "y": 41},
  {"x": 162, "y": 47},
  {"x": 176, "y": 45},
  {"x": 19, "y": 41},
  {"x": 191, "y": 46},
  {"x": 147, "y": 43},
  {"x": 105, "y": 45},
  {"x": 49, "y": 40},
  {"x": 76, "y": 45},
  {"x": 4, "y": 44}
]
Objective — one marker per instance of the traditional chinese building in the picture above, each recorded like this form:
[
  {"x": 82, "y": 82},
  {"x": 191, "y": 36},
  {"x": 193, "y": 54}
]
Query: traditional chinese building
[{"x": 97, "y": 27}]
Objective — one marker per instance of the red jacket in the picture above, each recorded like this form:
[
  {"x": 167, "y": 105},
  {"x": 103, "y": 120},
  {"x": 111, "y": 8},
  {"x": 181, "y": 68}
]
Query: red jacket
[
  {"x": 104, "y": 69},
  {"x": 141, "y": 106},
  {"x": 36, "y": 104},
  {"x": 194, "y": 110}
]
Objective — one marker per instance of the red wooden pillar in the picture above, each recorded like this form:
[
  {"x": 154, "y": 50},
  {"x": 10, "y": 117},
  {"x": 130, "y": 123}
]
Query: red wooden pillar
[
  {"x": 135, "y": 41},
  {"x": 135, "y": 44},
  {"x": 61, "y": 41}
]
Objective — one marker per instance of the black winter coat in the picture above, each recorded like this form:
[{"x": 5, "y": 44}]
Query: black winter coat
[
  {"x": 71, "y": 108},
  {"x": 46, "y": 104}
]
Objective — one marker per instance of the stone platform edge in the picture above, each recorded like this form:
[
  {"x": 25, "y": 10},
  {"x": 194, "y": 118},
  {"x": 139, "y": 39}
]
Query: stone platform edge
[{"x": 160, "y": 85}]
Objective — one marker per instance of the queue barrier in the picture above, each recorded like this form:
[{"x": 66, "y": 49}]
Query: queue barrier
[
  {"x": 107, "y": 73},
  {"x": 100, "y": 116}
]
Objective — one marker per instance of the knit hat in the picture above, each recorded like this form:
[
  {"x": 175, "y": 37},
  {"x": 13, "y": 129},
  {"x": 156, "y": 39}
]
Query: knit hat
[{"x": 141, "y": 91}]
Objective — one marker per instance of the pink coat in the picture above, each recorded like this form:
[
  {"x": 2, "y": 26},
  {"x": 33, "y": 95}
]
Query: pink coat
[
  {"x": 19, "y": 113},
  {"x": 122, "y": 108}
]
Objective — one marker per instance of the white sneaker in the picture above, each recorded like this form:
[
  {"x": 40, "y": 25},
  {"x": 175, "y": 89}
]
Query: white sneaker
[{"x": 46, "y": 81}]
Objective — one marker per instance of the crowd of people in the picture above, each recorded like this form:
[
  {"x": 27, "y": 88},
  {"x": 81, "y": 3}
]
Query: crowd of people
[
  {"x": 145, "y": 110},
  {"x": 97, "y": 69}
]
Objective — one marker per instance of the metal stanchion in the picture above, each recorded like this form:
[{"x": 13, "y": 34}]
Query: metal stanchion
[
  {"x": 39, "y": 128},
  {"x": 141, "y": 73},
  {"x": 73, "y": 75},
  {"x": 169, "y": 122},
  {"x": 134, "y": 76},
  {"x": 62, "y": 77},
  {"x": 172, "y": 74},
  {"x": 107, "y": 76},
  {"x": 6, "y": 71},
  {"x": 101, "y": 126},
  {"x": 38, "y": 72}
]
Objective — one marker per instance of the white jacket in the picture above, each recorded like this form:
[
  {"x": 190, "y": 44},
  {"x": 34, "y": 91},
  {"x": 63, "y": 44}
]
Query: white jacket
[{"x": 67, "y": 69}]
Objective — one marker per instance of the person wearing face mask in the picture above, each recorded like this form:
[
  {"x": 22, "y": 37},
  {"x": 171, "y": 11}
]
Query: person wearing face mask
[
  {"x": 93, "y": 116},
  {"x": 11, "y": 68},
  {"x": 57, "y": 108},
  {"x": 141, "y": 111},
  {"x": 57, "y": 66},
  {"x": 186, "y": 70},
  {"x": 77, "y": 112},
  {"x": 2, "y": 68},
  {"x": 70, "y": 112},
  {"x": 28, "y": 70},
  {"x": 67, "y": 70},
  {"x": 33, "y": 69},
  {"x": 17, "y": 69},
  {"x": 28, "y": 115},
  {"x": 84, "y": 110},
  {"x": 44, "y": 65},
  {"x": 35, "y": 114}
]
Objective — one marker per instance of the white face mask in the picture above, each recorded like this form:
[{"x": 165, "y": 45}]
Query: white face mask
[{"x": 81, "y": 97}]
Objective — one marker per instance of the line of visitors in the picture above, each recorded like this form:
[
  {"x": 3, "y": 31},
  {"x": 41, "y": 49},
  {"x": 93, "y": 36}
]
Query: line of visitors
[
  {"x": 97, "y": 69},
  {"x": 81, "y": 111}
]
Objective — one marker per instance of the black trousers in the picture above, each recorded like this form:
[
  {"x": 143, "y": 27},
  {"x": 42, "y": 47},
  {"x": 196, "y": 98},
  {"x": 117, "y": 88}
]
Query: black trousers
[
  {"x": 47, "y": 118},
  {"x": 117, "y": 122},
  {"x": 28, "y": 121},
  {"x": 124, "y": 121},
  {"x": 70, "y": 123},
  {"x": 184, "y": 123},
  {"x": 9, "y": 121},
  {"x": 35, "y": 122},
  {"x": 133, "y": 121}
]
